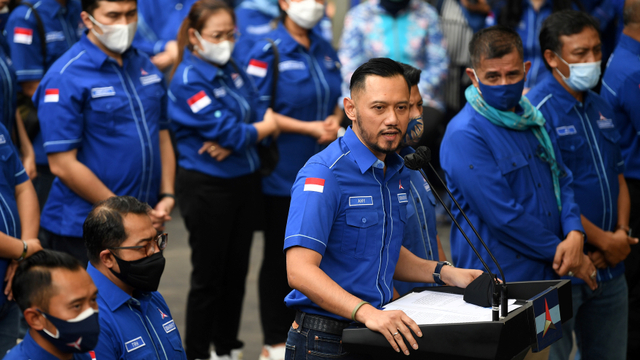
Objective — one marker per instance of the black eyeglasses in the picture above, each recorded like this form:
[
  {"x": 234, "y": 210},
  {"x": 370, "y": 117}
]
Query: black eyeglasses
[{"x": 160, "y": 241}]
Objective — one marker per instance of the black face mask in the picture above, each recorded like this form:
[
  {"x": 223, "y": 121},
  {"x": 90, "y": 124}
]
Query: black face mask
[
  {"x": 394, "y": 6},
  {"x": 143, "y": 274}
]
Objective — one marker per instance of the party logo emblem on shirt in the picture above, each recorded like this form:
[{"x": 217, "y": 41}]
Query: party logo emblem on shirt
[
  {"x": 257, "y": 68},
  {"x": 2, "y": 139},
  {"x": 400, "y": 186},
  {"x": 199, "y": 101},
  {"x": 605, "y": 123},
  {"x": 92, "y": 354},
  {"x": 237, "y": 80},
  {"x": 163, "y": 315},
  {"x": 143, "y": 73},
  {"x": 51, "y": 95},
  {"x": 22, "y": 36},
  {"x": 314, "y": 184}
]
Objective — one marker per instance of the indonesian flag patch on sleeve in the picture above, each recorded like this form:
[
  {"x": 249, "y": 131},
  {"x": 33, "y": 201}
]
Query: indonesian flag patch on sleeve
[
  {"x": 51, "y": 95},
  {"x": 257, "y": 68},
  {"x": 314, "y": 184},
  {"x": 22, "y": 35},
  {"x": 92, "y": 354},
  {"x": 199, "y": 101}
]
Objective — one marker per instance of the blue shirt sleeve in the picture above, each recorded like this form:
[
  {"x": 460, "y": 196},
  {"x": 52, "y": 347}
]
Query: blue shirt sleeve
[
  {"x": 24, "y": 44},
  {"x": 494, "y": 201},
  {"x": 312, "y": 213},
  {"x": 213, "y": 122},
  {"x": 263, "y": 82},
  {"x": 108, "y": 345},
  {"x": 570, "y": 215}
]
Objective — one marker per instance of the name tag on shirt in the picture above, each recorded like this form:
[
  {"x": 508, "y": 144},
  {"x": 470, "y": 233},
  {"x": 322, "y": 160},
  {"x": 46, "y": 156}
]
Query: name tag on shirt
[
  {"x": 402, "y": 198},
  {"x": 566, "y": 130},
  {"x": 2, "y": 139},
  {"x": 360, "y": 200},
  {"x": 605, "y": 123},
  {"x": 219, "y": 92},
  {"x": 169, "y": 326},
  {"x": 134, "y": 344},
  {"x": 102, "y": 92},
  {"x": 291, "y": 65},
  {"x": 54, "y": 36},
  {"x": 259, "y": 29},
  {"x": 150, "y": 79}
]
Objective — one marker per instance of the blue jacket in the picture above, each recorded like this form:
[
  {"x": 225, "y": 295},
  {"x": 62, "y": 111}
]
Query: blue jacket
[
  {"x": 621, "y": 90},
  {"x": 308, "y": 90},
  {"x": 215, "y": 104},
  {"x": 507, "y": 192},
  {"x": 588, "y": 141}
]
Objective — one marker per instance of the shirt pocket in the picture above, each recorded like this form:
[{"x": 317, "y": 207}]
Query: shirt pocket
[
  {"x": 151, "y": 98},
  {"x": 104, "y": 114},
  {"x": 174, "y": 339},
  {"x": 614, "y": 157},
  {"x": 296, "y": 88},
  {"x": 359, "y": 235},
  {"x": 518, "y": 174},
  {"x": 572, "y": 150}
]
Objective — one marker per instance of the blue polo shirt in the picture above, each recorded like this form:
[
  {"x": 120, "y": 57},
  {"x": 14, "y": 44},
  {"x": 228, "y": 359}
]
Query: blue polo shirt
[
  {"x": 507, "y": 192},
  {"x": 621, "y": 89},
  {"x": 138, "y": 327},
  {"x": 28, "y": 349},
  {"x": 588, "y": 141},
  {"x": 346, "y": 208},
  {"x": 112, "y": 115},
  {"x": 159, "y": 22},
  {"x": 8, "y": 88},
  {"x": 216, "y": 104},
  {"x": 12, "y": 174},
  {"x": 62, "y": 27},
  {"x": 308, "y": 90},
  {"x": 420, "y": 233}
]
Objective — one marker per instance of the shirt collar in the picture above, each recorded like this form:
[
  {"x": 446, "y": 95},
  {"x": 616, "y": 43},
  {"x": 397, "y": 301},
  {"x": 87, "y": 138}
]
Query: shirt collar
[
  {"x": 207, "y": 70},
  {"x": 366, "y": 159},
  {"x": 567, "y": 101},
  {"x": 627, "y": 42},
  {"x": 288, "y": 44},
  {"x": 113, "y": 296},
  {"x": 51, "y": 6},
  {"x": 33, "y": 350},
  {"x": 99, "y": 57}
]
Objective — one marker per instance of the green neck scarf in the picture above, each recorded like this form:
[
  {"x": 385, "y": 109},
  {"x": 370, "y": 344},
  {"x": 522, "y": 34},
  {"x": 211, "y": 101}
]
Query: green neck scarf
[{"x": 531, "y": 119}]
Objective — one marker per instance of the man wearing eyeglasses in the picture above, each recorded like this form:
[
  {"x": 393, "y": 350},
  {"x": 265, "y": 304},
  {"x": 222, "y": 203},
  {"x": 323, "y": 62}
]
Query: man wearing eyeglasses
[{"x": 126, "y": 264}]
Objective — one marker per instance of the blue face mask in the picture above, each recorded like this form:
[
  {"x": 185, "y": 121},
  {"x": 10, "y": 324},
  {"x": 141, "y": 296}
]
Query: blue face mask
[
  {"x": 501, "y": 97},
  {"x": 582, "y": 76},
  {"x": 77, "y": 335}
]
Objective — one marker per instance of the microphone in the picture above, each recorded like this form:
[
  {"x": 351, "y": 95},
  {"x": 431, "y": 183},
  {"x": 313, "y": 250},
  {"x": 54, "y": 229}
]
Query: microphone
[{"x": 418, "y": 161}]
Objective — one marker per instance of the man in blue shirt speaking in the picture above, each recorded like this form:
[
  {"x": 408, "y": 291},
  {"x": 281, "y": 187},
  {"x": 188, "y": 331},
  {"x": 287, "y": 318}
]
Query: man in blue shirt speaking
[
  {"x": 507, "y": 173},
  {"x": 126, "y": 265},
  {"x": 102, "y": 109},
  {"x": 344, "y": 233}
]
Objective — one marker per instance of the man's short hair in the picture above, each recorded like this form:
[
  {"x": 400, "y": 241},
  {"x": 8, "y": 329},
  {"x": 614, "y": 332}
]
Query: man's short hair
[
  {"x": 493, "y": 43},
  {"x": 411, "y": 74},
  {"x": 631, "y": 14},
  {"x": 563, "y": 23},
  {"x": 32, "y": 281},
  {"x": 103, "y": 228},
  {"x": 383, "y": 67},
  {"x": 90, "y": 5}
]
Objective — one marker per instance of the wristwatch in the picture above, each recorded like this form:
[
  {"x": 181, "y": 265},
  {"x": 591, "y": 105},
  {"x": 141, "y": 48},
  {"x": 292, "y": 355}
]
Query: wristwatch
[{"x": 436, "y": 275}]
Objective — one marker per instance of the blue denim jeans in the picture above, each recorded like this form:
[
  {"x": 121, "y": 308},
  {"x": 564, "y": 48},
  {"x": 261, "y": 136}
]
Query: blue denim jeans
[
  {"x": 9, "y": 319},
  {"x": 307, "y": 344},
  {"x": 599, "y": 321}
]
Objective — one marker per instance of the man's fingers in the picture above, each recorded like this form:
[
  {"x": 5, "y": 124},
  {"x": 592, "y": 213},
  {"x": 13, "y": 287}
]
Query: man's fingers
[
  {"x": 390, "y": 338},
  {"x": 632, "y": 240},
  {"x": 397, "y": 336},
  {"x": 408, "y": 336},
  {"x": 557, "y": 259}
]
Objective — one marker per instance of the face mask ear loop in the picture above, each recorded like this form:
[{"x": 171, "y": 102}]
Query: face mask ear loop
[
  {"x": 569, "y": 65},
  {"x": 478, "y": 80},
  {"x": 57, "y": 335}
]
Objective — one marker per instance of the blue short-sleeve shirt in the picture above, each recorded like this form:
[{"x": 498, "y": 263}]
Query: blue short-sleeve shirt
[
  {"x": 346, "y": 208},
  {"x": 588, "y": 140},
  {"x": 112, "y": 115},
  {"x": 621, "y": 89},
  {"x": 138, "y": 327},
  {"x": 8, "y": 90},
  {"x": 308, "y": 89},
  {"x": 28, "y": 349},
  {"x": 420, "y": 233},
  {"x": 209, "y": 103},
  {"x": 507, "y": 192},
  {"x": 159, "y": 22}
]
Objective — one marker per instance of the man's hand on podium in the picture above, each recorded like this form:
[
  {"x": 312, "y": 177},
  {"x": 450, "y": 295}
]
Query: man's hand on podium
[
  {"x": 394, "y": 325},
  {"x": 458, "y": 277}
]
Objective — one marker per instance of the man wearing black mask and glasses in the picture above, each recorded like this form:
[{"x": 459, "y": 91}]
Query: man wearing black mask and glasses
[{"x": 126, "y": 264}]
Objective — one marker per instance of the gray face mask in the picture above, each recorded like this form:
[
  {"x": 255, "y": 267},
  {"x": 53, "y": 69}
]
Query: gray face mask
[{"x": 117, "y": 38}]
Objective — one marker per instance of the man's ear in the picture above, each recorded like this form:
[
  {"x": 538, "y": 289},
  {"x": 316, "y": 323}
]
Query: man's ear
[
  {"x": 107, "y": 259},
  {"x": 551, "y": 58},
  {"x": 350, "y": 108},
  {"x": 84, "y": 16},
  {"x": 472, "y": 76},
  {"x": 34, "y": 318}
]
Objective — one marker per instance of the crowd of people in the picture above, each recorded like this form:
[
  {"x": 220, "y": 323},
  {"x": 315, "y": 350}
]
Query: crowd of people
[{"x": 114, "y": 112}]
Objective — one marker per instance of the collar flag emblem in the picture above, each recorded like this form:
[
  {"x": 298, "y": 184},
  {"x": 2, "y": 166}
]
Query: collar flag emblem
[{"x": 92, "y": 354}]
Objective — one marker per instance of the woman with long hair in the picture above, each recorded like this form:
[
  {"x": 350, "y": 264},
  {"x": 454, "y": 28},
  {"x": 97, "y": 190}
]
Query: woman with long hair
[{"x": 215, "y": 117}]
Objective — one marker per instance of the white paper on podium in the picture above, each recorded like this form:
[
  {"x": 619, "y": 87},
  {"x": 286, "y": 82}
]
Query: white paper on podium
[{"x": 432, "y": 307}]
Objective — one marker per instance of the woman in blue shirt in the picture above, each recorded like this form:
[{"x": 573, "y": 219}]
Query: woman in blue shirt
[
  {"x": 216, "y": 121},
  {"x": 305, "y": 103}
]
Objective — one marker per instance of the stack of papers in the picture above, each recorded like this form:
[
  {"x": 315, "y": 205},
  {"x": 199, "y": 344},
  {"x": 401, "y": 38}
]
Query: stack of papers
[{"x": 431, "y": 307}]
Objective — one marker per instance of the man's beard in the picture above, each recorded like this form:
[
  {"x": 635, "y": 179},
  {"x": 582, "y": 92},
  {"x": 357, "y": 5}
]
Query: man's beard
[{"x": 374, "y": 145}]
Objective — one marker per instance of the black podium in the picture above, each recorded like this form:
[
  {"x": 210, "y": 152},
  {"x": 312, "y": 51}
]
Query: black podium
[{"x": 547, "y": 302}]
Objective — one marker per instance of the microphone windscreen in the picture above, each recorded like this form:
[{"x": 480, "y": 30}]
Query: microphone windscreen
[
  {"x": 413, "y": 162},
  {"x": 425, "y": 153}
]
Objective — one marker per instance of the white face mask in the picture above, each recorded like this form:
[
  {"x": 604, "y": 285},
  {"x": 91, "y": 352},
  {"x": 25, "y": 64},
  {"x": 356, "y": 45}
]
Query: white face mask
[
  {"x": 305, "y": 13},
  {"x": 582, "y": 76},
  {"x": 218, "y": 54},
  {"x": 117, "y": 38}
]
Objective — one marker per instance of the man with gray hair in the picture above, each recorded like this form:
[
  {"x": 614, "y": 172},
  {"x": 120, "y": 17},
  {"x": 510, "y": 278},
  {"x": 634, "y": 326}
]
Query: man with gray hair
[{"x": 620, "y": 89}]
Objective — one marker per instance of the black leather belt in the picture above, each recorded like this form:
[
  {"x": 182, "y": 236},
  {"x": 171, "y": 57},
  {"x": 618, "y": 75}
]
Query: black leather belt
[{"x": 320, "y": 323}]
